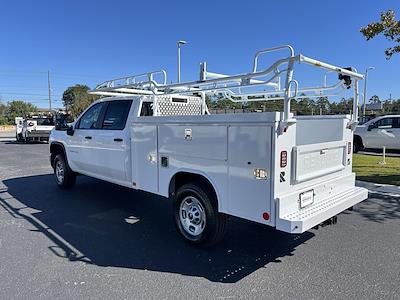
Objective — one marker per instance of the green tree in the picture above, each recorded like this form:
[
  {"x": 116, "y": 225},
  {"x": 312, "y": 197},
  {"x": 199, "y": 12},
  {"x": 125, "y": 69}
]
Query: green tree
[
  {"x": 3, "y": 110},
  {"x": 305, "y": 106},
  {"x": 19, "y": 108},
  {"x": 324, "y": 105},
  {"x": 389, "y": 27},
  {"x": 76, "y": 99},
  {"x": 374, "y": 99}
]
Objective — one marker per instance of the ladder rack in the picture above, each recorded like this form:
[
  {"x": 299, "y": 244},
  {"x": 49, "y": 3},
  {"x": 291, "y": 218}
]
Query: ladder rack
[{"x": 257, "y": 85}]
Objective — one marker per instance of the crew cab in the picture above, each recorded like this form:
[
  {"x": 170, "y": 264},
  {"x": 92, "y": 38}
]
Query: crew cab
[
  {"x": 383, "y": 131},
  {"x": 291, "y": 173}
]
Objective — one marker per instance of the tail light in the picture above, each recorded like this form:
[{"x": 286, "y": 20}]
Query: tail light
[
  {"x": 283, "y": 159},
  {"x": 349, "y": 148}
]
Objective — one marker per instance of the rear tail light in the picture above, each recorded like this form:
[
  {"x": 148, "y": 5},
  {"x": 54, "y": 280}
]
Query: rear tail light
[
  {"x": 283, "y": 159},
  {"x": 349, "y": 148}
]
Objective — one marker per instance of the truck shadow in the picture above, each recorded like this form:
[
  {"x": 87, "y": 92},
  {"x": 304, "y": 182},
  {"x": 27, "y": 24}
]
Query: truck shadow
[{"x": 106, "y": 225}]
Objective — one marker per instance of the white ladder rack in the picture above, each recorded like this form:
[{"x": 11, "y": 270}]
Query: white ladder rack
[{"x": 235, "y": 87}]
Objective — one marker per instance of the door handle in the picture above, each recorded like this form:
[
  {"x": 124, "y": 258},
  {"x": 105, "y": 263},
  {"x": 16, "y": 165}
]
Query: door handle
[
  {"x": 88, "y": 137},
  {"x": 118, "y": 140}
]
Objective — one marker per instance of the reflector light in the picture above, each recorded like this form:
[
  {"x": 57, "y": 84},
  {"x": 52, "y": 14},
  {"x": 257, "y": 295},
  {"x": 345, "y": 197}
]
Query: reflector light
[
  {"x": 283, "y": 159},
  {"x": 266, "y": 216}
]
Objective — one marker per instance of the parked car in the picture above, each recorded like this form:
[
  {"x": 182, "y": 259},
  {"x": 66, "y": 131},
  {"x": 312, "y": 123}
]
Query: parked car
[{"x": 383, "y": 131}]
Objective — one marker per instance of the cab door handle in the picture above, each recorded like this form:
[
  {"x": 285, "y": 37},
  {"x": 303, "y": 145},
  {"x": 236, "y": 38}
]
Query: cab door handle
[
  {"x": 118, "y": 140},
  {"x": 88, "y": 137}
]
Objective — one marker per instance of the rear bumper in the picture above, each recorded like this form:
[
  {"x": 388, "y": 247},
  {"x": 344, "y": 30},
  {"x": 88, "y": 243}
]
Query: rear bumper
[
  {"x": 38, "y": 134},
  {"x": 305, "y": 219}
]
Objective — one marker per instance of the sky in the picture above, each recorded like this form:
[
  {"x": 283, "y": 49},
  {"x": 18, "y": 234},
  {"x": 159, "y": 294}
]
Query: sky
[{"x": 87, "y": 42}]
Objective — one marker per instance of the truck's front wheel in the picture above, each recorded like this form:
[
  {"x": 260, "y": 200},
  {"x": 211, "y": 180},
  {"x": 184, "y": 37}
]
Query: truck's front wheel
[
  {"x": 65, "y": 178},
  {"x": 196, "y": 215}
]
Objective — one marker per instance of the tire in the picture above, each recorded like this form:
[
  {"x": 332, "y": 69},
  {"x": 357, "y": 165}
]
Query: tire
[
  {"x": 19, "y": 138},
  {"x": 357, "y": 145},
  {"x": 64, "y": 176},
  {"x": 196, "y": 215}
]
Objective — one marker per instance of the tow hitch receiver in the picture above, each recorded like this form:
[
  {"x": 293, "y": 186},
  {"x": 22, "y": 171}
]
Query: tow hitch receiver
[{"x": 330, "y": 221}]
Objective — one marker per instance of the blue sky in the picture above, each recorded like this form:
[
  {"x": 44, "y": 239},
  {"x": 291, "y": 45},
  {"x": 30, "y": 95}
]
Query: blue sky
[{"x": 90, "y": 41}]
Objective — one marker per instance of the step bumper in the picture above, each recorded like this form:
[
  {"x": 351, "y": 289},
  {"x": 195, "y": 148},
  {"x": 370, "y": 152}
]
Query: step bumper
[{"x": 305, "y": 219}]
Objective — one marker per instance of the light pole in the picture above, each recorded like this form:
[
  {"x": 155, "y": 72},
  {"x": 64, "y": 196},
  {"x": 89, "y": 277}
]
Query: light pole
[
  {"x": 179, "y": 43},
  {"x": 365, "y": 87}
]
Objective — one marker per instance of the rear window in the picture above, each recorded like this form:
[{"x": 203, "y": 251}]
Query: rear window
[
  {"x": 116, "y": 114},
  {"x": 43, "y": 121},
  {"x": 388, "y": 122}
]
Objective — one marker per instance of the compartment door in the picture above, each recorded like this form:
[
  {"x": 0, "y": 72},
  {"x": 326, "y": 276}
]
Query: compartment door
[
  {"x": 144, "y": 157},
  {"x": 249, "y": 152}
]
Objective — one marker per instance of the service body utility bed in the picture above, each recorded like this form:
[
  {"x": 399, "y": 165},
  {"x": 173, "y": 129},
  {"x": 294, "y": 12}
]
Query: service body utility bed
[
  {"x": 288, "y": 172},
  {"x": 228, "y": 149}
]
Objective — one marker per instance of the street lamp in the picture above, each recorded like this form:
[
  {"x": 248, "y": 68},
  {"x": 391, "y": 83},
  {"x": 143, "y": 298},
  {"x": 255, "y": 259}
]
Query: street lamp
[
  {"x": 179, "y": 43},
  {"x": 365, "y": 87}
]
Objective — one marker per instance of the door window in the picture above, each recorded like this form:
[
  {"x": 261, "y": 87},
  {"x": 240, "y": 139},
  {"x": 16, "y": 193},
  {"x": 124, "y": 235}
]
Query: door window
[
  {"x": 396, "y": 123},
  {"x": 116, "y": 114},
  {"x": 385, "y": 123},
  {"x": 91, "y": 117}
]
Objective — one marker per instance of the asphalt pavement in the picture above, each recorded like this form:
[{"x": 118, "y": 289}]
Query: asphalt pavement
[{"x": 102, "y": 240}]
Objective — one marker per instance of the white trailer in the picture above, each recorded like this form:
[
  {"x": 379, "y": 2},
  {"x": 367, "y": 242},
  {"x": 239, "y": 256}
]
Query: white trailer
[{"x": 277, "y": 169}]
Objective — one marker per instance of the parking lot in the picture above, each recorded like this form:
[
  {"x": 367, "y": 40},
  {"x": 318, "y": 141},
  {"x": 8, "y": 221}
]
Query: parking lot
[{"x": 102, "y": 239}]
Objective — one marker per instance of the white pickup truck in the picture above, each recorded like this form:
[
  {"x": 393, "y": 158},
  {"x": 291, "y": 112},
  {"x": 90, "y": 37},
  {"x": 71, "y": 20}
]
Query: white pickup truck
[
  {"x": 383, "y": 131},
  {"x": 36, "y": 128},
  {"x": 292, "y": 173}
]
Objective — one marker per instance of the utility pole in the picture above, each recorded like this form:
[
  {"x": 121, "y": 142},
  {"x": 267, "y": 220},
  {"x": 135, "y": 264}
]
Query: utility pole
[{"x": 48, "y": 84}]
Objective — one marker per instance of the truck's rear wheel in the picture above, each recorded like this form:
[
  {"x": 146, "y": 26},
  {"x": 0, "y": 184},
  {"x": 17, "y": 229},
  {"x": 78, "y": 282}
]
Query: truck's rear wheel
[
  {"x": 65, "y": 178},
  {"x": 196, "y": 215}
]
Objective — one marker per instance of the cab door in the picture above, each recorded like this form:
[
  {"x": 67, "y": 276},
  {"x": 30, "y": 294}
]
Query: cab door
[
  {"x": 396, "y": 133},
  {"x": 80, "y": 150},
  {"x": 381, "y": 134},
  {"x": 112, "y": 142}
]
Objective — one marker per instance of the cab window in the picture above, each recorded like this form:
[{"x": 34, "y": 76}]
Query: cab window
[
  {"x": 147, "y": 109},
  {"x": 385, "y": 123},
  {"x": 116, "y": 114},
  {"x": 90, "y": 119}
]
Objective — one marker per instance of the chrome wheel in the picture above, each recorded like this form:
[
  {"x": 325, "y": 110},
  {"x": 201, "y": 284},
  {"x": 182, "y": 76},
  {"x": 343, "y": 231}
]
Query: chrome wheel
[
  {"x": 192, "y": 216},
  {"x": 59, "y": 171}
]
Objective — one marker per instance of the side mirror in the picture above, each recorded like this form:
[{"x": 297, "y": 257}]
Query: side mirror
[
  {"x": 70, "y": 130},
  {"x": 371, "y": 126},
  {"x": 61, "y": 125}
]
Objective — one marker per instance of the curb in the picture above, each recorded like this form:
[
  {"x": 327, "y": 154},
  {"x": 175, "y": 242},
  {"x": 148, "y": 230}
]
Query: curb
[{"x": 393, "y": 190}]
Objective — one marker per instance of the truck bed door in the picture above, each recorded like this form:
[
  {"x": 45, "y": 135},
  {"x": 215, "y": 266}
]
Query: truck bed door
[
  {"x": 144, "y": 157},
  {"x": 249, "y": 152}
]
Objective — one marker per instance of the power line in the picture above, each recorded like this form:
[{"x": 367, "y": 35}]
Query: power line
[
  {"x": 25, "y": 94},
  {"x": 57, "y": 74}
]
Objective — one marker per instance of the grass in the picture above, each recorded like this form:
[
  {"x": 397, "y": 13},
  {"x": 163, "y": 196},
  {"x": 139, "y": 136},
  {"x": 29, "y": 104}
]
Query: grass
[{"x": 368, "y": 168}]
